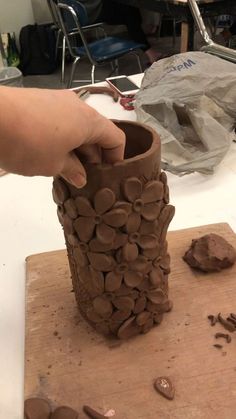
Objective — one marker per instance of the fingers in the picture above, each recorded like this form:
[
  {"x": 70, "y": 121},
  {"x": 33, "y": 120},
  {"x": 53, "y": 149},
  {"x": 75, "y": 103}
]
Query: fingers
[
  {"x": 110, "y": 138},
  {"x": 73, "y": 171}
]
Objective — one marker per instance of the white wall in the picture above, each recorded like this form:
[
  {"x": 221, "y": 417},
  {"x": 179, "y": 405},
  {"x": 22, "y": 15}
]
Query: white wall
[
  {"x": 14, "y": 14},
  {"x": 41, "y": 11}
]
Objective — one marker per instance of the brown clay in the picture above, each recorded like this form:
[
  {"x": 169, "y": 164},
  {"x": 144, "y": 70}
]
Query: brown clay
[
  {"x": 210, "y": 253},
  {"x": 64, "y": 412},
  {"x": 93, "y": 414},
  {"x": 115, "y": 230},
  {"x": 164, "y": 386},
  {"x": 36, "y": 408}
]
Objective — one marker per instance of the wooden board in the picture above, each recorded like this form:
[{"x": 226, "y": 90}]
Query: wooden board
[{"x": 71, "y": 364}]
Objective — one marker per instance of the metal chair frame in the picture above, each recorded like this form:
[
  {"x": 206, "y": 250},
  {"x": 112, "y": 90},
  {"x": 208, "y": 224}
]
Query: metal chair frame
[
  {"x": 60, "y": 36},
  {"x": 79, "y": 30},
  {"x": 211, "y": 47}
]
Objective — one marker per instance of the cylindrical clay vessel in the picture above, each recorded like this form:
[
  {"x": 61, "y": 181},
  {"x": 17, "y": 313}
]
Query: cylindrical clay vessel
[{"x": 115, "y": 230}]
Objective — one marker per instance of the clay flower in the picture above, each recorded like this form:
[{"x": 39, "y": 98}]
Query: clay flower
[
  {"x": 101, "y": 219},
  {"x": 130, "y": 268}
]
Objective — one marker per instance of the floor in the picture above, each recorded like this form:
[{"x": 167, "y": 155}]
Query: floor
[{"x": 127, "y": 66}]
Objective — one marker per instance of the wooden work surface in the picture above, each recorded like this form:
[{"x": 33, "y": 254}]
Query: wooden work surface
[{"x": 71, "y": 364}]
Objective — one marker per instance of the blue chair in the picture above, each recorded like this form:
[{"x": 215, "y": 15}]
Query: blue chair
[
  {"x": 61, "y": 40},
  {"x": 73, "y": 18}
]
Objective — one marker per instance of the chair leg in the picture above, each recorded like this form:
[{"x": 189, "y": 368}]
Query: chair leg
[
  {"x": 72, "y": 72},
  {"x": 93, "y": 74},
  {"x": 57, "y": 43},
  {"x": 174, "y": 32},
  {"x": 116, "y": 67},
  {"x": 63, "y": 59}
]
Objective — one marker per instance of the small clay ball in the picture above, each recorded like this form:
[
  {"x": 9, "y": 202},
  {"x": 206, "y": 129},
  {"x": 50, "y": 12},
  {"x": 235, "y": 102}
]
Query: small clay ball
[
  {"x": 210, "y": 253},
  {"x": 64, "y": 412},
  {"x": 36, "y": 408}
]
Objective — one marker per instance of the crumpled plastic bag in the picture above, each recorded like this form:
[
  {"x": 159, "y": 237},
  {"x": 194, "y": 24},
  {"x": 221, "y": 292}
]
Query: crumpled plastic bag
[{"x": 190, "y": 100}]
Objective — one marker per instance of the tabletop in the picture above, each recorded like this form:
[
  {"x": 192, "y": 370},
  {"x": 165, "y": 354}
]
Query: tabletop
[{"x": 28, "y": 225}]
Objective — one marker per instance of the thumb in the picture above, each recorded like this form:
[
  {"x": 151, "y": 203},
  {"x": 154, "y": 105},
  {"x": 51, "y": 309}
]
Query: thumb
[{"x": 73, "y": 171}]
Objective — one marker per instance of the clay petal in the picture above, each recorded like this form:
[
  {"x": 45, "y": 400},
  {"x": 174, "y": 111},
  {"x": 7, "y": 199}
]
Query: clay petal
[
  {"x": 104, "y": 200},
  {"x": 128, "y": 329},
  {"x": 133, "y": 223},
  {"x": 147, "y": 227},
  {"x": 152, "y": 253},
  {"x": 105, "y": 234},
  {"x": 120, "y": 240},
  {"x": 80, "y": 257},
  {"x": 123, "y": 303},
  {"x": 84, "y": 207},
  {"x": 165, "y": 263},
  {"x": 151, "y": 211},
  {"x": 124, "y": 206},
  {"x": 67, "y": 224},
  {"x": 84, "y": 227},
  {"x": 115, "y": 218},
  {"x": 93, "y": 281},
  {"x": 113, "y": 281},
  {"x": 70, "y": 208},
  {"x": 140, "y": 305},
  {"x": 149, "y": 241},
  {"x": 156, "y": 296},
  {"x": 93, "y": 316},
  {"x": 156, "y": 277},
  {"x": 141, "y": 264},
  {"x": 96, "y": 246},
  {"x": 132, "y": 189},
  {"x": 153, "y": 191},
  {"x": 60, "y": 191},
  {"x": 103, "y": 307},
  {"x": 142, "y": 318},
  {"x": 130, "y": 252},
  {"x": 120, "y": 316},
  {"x": 101, "y": 262},
  {"x": 132, "y": 279}
]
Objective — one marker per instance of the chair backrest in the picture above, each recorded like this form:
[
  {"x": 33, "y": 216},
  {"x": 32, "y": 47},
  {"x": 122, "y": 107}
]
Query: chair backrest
[
  {"x": 73, "y": 17},
  {"x": 53, "y": 12}
]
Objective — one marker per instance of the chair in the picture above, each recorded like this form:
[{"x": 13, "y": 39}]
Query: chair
[
  {"x": 73, "y": 18},
  {"x": 60, "y": 36},
  {"x": 211, "y": 47}
]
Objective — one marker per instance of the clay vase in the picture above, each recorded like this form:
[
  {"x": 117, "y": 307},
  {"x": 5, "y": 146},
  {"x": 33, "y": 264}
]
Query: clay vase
[{"x": 115, "y": 230}]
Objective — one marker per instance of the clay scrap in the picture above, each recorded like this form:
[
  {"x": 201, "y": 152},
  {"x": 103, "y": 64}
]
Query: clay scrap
[
  {"x": 36, "y": 408},
  {"x": 210, "y": 253},
  {"x": 164, "y": 386}
]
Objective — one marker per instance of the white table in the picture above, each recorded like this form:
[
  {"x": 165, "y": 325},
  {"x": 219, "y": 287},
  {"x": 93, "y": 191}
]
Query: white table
[{"x": 28, "y": 225}]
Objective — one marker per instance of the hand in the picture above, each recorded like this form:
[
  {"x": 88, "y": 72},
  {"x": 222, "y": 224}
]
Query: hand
[{"x": 41, "y": 129}]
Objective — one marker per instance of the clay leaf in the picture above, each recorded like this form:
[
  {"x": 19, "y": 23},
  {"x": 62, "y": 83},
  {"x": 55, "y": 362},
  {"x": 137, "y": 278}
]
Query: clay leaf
[
  {"x": 142, "y": 318},
  {"x": 140, "y": 305},
  {"x": 123, "y": 303},
  {"x": 128, "y": 329}
]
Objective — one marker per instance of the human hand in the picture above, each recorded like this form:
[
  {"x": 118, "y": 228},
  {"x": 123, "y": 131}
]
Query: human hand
[{"x": 41, "y": 129}]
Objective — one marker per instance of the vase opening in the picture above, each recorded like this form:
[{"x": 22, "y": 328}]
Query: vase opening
[{"x": 138, "y": 139}]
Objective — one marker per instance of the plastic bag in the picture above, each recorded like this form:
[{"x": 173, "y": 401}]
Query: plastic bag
[{"x": 190, "y": 100}]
